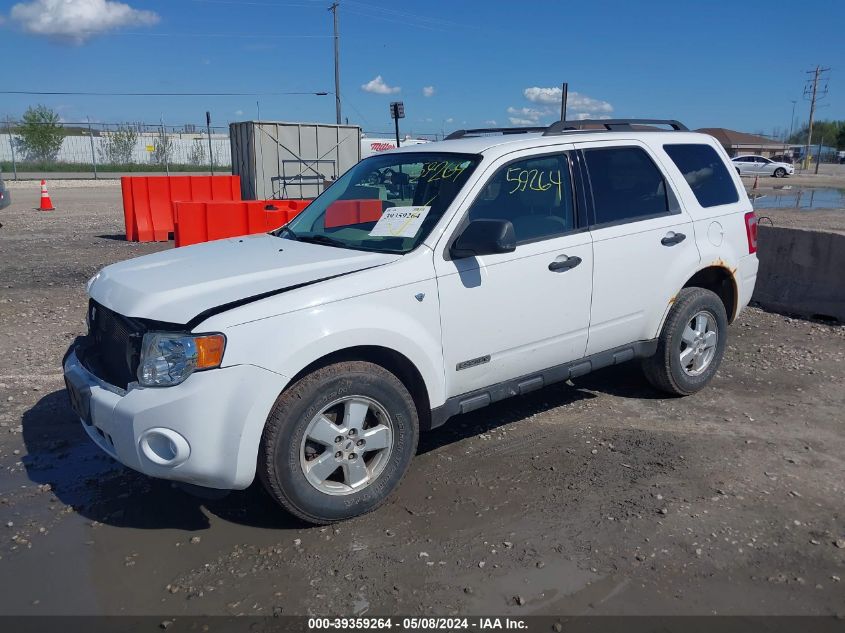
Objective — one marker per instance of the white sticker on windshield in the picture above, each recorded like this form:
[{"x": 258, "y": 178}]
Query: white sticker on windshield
[{"x": 400, "y": 222}]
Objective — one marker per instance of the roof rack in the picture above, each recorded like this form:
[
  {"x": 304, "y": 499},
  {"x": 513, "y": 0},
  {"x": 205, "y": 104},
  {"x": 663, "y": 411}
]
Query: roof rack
[
  {"x": 494, "y": 130},
  {"x": 593, "y": 125},
  {"x": 612, "y": 125}
]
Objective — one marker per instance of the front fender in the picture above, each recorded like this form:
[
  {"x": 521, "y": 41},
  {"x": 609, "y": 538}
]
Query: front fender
[{"x": 393, "y": 318}]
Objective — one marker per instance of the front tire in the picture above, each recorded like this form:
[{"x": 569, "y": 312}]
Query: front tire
[
  {"x": 780, "y": 172},
  {"x": 691, "y": 344},
  {"x": 338, "y": 442}
]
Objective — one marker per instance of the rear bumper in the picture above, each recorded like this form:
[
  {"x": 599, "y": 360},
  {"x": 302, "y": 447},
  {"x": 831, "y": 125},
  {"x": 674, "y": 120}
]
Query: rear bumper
[
  {"x": 746, "y": 278},
  {"x": 205, "y": 431}
]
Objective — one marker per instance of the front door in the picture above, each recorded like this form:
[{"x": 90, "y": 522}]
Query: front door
[{"x": 511, "y": 314}]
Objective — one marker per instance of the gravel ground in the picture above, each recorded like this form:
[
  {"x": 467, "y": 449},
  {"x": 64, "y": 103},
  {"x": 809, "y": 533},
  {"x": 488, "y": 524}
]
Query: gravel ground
[{"x": 600, "y": 497}]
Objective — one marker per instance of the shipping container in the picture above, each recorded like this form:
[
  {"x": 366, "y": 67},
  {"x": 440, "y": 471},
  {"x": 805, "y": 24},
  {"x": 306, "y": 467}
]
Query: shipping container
[{"x": 277, "y": 160}]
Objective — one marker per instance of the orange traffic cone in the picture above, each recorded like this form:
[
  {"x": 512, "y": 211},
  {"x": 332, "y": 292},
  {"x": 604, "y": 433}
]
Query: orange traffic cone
[
  {"x": 756, "y": 181},
  {"x": 46, "y": 203}
]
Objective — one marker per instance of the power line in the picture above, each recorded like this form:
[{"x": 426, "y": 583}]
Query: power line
[
  {"x": 405, "y": 14},
  {"x": 262, "y": 4},
  {"x": 262, "y": 36},
  {"x": 321, "y": 93}
]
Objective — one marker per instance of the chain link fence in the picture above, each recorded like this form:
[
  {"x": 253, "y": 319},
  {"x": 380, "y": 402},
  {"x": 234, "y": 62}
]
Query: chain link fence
[{"x": 99, "y": 150}]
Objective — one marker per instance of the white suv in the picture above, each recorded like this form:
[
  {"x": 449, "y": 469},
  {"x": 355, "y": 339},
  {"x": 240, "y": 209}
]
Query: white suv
[{"x": 426, "y": 282}]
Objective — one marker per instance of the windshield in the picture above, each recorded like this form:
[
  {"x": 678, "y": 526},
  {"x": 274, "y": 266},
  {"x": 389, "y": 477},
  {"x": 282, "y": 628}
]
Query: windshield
[{"x": 387, "y": 203}]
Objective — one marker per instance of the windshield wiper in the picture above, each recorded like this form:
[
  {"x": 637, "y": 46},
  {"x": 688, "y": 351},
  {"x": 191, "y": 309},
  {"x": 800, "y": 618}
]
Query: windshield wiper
[
  {"x": 281, "y": 232},
  {"x": 322, "y": 239}
]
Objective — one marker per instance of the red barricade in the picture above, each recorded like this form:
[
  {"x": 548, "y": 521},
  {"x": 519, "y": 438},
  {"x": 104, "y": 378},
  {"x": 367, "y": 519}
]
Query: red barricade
[
  {"x": 148, "y": 201},
  {"x": 203, "y": 221},
  {"x": 346, "y": 212}
]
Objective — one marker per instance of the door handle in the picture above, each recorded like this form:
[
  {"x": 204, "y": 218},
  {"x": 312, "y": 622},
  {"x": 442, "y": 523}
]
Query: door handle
[
  {"x": 673, "y": 238},
  {"x": 564, "y": 264}
]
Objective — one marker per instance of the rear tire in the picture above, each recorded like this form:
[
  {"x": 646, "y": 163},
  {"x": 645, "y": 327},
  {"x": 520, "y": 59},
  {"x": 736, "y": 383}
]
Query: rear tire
[
  {"x": 312, "y": 475},
  {"x": 691, "y": 344}
]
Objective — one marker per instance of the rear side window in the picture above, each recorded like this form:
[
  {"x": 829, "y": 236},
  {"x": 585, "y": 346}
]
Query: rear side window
[
  {"x": 705, "y": 173},
  {"x": 626, "y": 184}
]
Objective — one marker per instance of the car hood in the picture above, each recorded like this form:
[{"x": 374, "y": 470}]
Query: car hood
[{"x": 179, "y": 284}]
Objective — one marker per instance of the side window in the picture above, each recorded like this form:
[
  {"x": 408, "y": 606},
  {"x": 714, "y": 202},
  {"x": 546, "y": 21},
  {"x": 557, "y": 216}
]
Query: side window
[
  {"x": 705, "y": 173},
  {"x": 535, "y": 194},
  {"x": 626, "y": 184}
]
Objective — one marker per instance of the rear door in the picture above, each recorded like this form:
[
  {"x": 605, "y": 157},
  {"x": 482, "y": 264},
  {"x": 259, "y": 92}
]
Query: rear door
[{"x": 643, "y": 243}]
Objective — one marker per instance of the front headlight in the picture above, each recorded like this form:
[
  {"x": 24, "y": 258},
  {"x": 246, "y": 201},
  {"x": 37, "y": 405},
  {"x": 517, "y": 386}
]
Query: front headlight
[{"x": 169, "y": 358}]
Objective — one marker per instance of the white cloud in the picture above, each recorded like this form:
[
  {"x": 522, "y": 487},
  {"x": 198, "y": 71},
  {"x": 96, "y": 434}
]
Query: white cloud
[
  {"x": 450, "y": 120},
  {"x": 580, "y": 116},
  {"x": 543, "y": 95},
  {"x": 517, "y": 121},
  {"x": 239, "y": 112},
  {"x": 575, "y": 101},
  {"x": 76, "y": 21},
  {"x": 532, "y": 115},
  {"x": 428, "y": 91},
  {"x": 378, "y": 87},
  {"x": 490, "y": 122}
]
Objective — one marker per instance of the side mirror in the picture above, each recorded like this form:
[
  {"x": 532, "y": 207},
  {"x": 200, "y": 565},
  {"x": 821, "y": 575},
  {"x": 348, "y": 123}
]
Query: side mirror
[{"x": 484, "y": 237}]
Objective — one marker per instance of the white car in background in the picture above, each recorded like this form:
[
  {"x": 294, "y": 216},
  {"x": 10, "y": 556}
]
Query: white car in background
[{"x": 760, "y": 166}]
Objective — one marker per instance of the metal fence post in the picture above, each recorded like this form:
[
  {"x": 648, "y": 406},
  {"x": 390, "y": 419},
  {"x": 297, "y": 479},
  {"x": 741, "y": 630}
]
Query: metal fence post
[
  {"x": 12, "y": 146},
  {"x": 164, "y": 147},
  {"x": 208, "y": 129},
  {"x": 93, "y": 156}
]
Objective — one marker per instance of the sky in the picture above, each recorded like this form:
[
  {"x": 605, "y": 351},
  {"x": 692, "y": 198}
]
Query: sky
[{"x": 454, "y": 63}]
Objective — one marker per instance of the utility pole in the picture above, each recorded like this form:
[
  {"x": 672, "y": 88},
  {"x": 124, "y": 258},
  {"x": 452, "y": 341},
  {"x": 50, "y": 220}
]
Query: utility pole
[
  {"x": 811, "y": 91},
  {"x": 333, "y": 9},
  {"x": 791, "y": 120}
]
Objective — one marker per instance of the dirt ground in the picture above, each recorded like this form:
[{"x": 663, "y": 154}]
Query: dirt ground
[{"x": 602, "y": 497}]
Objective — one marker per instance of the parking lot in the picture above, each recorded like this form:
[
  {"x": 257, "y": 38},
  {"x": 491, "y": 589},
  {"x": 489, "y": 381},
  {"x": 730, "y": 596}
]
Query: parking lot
[{"x": 601, "y": 496}]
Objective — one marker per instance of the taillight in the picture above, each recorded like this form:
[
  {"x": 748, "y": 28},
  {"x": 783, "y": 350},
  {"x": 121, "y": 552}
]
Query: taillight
[{"x": 751, "y": 231}]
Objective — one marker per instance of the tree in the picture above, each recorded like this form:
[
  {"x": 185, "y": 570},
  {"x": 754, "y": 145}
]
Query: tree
[
  {"x": 196, "y": 155},
  {"x": 822, "y": 130},
  {"x": 118, "y": 147},
  {"x": 40, "y": 134},
  {"x": 162, "y": 148},
  {"x": 840, "y": 138}
]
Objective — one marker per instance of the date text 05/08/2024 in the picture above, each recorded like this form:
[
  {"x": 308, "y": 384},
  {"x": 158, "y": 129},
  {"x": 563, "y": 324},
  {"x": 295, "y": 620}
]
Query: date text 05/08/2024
[{"x": 416, "y": 624}]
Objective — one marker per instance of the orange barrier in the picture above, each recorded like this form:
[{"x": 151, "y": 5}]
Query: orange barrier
[
  {"x": 346, "y": 212},
  {"x": 203, "y": 221},
  {"x": 148, "y": 201}
]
